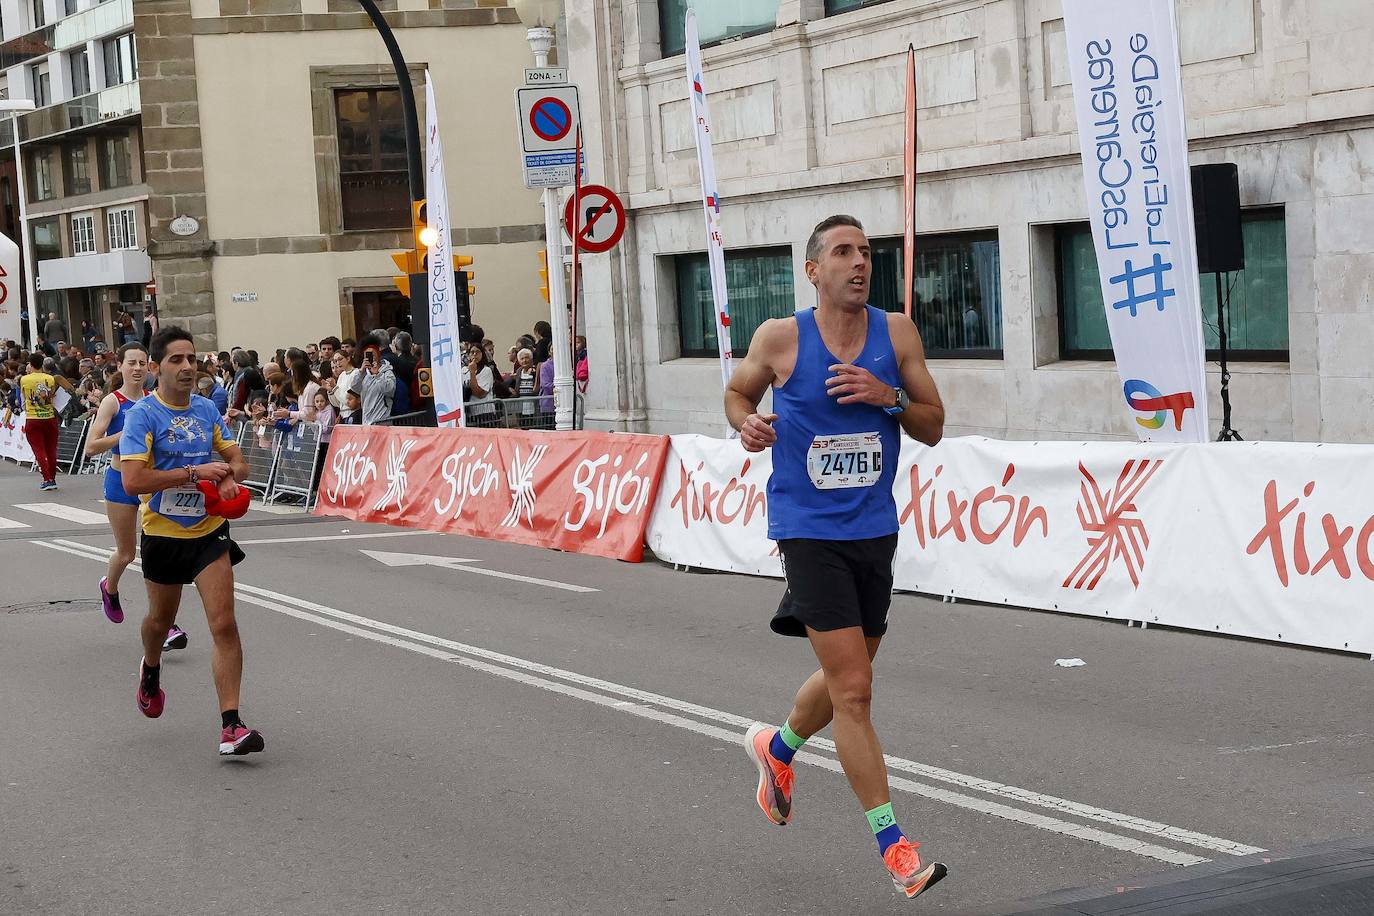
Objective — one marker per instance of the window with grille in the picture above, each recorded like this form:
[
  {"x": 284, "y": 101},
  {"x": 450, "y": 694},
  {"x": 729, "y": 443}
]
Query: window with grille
[
  {"x": 123, "y": 228},
  {"x": 42, "y": 85},
  {"x": 83, "y": 233},
  {"x": 958, "y": 285},
  {"x": 373, "y": 182},
  {"x": 761, "y": 287},
  {"x": 121, "y": 64},
  {"x": 116, "y": 159},
  {"x": 78, "y": 169},
  {"x": 1257, "y": 319},
  {"x": 716, "y": 22}
]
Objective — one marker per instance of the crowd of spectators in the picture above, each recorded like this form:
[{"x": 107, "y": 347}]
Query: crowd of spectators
[{"x": 326, "y": 383}]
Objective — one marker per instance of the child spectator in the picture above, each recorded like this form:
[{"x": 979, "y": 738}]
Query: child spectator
[{"x": 325, "y": 415}]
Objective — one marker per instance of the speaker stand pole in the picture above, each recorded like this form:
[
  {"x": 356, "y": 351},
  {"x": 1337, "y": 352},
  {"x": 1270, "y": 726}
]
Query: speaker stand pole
[{"x": 1227, "y": 433}]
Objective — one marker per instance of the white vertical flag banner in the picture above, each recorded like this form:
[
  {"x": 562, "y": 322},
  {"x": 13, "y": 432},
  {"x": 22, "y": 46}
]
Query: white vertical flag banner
[
  {"x": 1128, "y": 93},
  {"x": 11, "y": 325},
  {"x": 446, "y": 352},
  {"x": 710, "y": 196}
]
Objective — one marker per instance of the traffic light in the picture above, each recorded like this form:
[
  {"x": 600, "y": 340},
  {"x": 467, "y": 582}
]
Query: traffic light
[
  {"x": 544, "y": 273},
  {"x": 412, "y": 261},
  {"x": 463, "y": 290},
  {"x": 463, "y": 274},
  {"x": 425, "y": 377}
]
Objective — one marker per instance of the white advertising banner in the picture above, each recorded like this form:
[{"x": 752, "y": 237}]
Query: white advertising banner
[
  {"x": 11, "y": 322},
  {"x": 1266, "y": 540},
  {"x": 710, "y": 196},
  {"x": 14, "y": 445},
  {"x": 1127, "y": 86},
  {"x": 447, "y": 364}
]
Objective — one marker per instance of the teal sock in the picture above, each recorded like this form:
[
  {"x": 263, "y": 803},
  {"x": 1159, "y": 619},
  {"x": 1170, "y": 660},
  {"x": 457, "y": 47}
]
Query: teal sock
[
  {"x": 785, "y": 744},
  {"x": 884, "y": 826}
]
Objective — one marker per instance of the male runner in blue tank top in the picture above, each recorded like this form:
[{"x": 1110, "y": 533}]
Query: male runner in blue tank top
[{"x": 847, "y": 380}]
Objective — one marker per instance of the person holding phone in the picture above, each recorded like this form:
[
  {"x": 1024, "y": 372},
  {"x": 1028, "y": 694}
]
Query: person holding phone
[{"x": 379, "y": 385}]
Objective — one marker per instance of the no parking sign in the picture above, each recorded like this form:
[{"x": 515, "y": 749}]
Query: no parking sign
[{"x": 549, "y": 120}]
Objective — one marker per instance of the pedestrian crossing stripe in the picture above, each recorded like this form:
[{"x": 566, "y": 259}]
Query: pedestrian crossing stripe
[
  {"x": 66, "y": 513},
  {"x": 11, "y": 523}
]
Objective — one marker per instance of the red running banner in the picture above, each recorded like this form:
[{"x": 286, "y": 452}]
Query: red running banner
[{"x": 584, "y": 492}]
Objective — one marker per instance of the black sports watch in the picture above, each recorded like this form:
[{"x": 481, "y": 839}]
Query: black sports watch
[{"x": 903, "y": 401}]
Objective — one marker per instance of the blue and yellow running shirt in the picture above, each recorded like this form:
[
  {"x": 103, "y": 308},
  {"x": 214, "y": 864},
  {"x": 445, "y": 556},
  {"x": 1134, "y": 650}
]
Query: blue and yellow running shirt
[{"x": 169, "y": 438}]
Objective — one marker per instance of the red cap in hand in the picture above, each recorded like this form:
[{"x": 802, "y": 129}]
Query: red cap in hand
[{"x": 224, "y": 508}]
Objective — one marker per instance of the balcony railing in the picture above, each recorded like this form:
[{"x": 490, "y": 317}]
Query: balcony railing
[
  {"x": 111, "y": 104},
  {"x": 99, "y": 21},
  {"x": 108, "y": 18}
]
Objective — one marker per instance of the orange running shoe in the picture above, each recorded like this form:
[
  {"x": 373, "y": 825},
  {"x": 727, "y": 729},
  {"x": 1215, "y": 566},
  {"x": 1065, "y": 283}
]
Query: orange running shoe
[
  {"x": 775, "y": 777},
  {"x": 904, "y": 865}
]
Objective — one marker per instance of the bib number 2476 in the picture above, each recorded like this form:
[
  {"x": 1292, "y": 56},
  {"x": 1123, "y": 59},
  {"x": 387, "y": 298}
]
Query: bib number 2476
[{"x": 845, "y": 462}]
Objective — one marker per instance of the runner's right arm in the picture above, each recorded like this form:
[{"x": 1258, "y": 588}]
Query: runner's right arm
[
  {"x": 97, "y": 442},
  {"x": 748, "y": 385}
]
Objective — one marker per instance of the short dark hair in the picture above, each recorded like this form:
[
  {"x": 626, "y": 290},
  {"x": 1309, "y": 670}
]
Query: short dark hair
[
  {"x": 132, "y": 346},
  {"x": 543, "y": 329},
  {"x": 813, "y": 244},
  {"x": 36, "y": 360},
  {"x": 331, "y": 340},
  {"x": 349, "y": 341},
  {"x": 157, "y": 348}
]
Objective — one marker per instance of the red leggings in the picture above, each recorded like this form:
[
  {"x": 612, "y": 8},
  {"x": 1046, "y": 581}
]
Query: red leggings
[{"x": 42, "y": 436}]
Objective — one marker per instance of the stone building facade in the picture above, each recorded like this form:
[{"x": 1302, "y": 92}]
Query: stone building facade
[
  {"x": 808, "y": 111},
  {"x": 274, "y": 126}
]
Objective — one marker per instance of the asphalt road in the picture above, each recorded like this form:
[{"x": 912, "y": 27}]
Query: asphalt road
[{"x": 442, "y": 740}]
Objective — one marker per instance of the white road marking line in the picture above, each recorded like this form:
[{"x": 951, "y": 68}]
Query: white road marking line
[
  {"x": 407, "y": 559},
  {"x": 380, "y": 631},
  {"x": 66, "y": 513},
  {"x": 11, "y": 523},
  {"x": 335, "y": 537}
]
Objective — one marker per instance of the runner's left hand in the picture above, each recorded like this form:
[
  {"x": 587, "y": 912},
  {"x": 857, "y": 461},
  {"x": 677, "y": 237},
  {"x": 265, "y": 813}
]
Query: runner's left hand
[
  {"x": 854, "y": 385},
  {"x": 228, "y": 487}
]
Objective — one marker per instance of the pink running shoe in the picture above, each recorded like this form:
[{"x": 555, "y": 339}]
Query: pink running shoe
[
  {"x": 110, "y": 602},
  {"x": 148, "y": 704},
  {"x": 908, "y": 874},
  {"x": 176, "y": 639},
  {"x": 237, "y": 740},
  {"x": 775, "y": 777}
]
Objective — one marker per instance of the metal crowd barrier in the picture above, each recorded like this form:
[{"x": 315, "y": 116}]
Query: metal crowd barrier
[
  {"x": 299, "y": 454},
  {"x": 260, "y": 451},
  {"x": 71, "y": 446},
  {"x": 415, "y": 418},
  {"x": 521, "y": 413}
]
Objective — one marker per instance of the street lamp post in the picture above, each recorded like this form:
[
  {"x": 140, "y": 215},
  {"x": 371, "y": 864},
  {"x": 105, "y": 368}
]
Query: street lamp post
[
  {"x": 13, "y": 107},
  {"x": 419, "y": 282},
  {"x": 541, "y": 42}
]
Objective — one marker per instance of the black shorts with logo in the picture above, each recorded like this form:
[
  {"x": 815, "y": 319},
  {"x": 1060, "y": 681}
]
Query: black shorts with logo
[
  {"x": 177, "y": 561},
  {"x": 832, "y": 585}
]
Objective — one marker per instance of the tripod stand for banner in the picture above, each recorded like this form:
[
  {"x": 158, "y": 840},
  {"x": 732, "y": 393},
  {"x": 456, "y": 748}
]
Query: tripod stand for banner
[{"x": 1227, "y": 434}]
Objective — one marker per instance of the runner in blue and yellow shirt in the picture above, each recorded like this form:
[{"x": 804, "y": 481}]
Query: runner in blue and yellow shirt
[{"x": 172, "y": 441}]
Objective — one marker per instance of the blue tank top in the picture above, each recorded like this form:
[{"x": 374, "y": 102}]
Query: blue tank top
[
  {"x": 833, "y": 464},
  {"x": 117, "y": 426}
]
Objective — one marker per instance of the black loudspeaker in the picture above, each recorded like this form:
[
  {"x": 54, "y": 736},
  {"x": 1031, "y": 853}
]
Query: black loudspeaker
[{"x": 1216, "y": 216}]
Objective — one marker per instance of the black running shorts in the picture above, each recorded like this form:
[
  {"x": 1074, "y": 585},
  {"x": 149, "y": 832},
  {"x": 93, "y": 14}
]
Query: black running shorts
[
  {"x": 177, "y": 561},
  {"x": 832, "y": 585}
]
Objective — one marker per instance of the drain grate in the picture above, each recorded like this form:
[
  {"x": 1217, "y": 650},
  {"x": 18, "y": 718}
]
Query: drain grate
[{"x": 83, "y": 605}]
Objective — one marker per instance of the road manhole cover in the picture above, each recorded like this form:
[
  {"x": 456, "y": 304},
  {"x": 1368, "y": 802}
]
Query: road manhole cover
[{"x": 53, "y": 607}]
